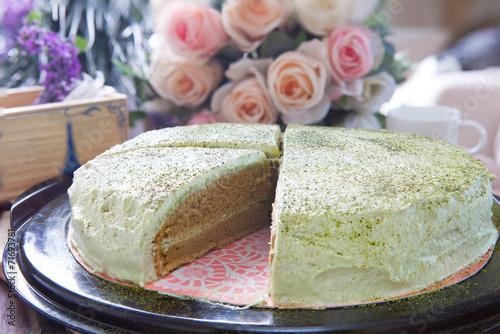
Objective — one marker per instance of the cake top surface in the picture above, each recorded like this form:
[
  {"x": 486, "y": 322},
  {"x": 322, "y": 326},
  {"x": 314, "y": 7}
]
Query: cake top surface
[
  {"x": 152, "y": 175},
  {"x": 262, "y": 137},
  {"x": 341, "y": 172}
]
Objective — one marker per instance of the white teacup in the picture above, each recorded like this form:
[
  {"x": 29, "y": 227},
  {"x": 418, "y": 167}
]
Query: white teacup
[{"x": 437, "y": 122}]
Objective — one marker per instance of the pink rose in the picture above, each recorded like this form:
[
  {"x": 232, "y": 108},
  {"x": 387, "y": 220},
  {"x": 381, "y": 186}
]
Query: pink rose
[
  {"x": 297, "y": 83},
  {"x": 248, "y": 22},
  {"x": 182, "y": 82},
  {"x": 203, "y": 117},
  {"x": 245, "y": 99},
  {"x": 192, "y": 30},
  {"x": 350, "y": 53}
]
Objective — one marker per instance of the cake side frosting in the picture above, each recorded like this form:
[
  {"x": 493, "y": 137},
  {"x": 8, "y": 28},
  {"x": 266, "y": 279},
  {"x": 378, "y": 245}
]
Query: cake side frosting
[
  {"x": 120, "y": 202},
  {"x": 262, "y": 137},
  {"x": 361, "y": 215}
]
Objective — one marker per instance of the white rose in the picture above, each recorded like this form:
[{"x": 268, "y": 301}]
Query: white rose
[
  {"x": 248, "y": 22},
  {"x": 245, "y": 99},
  {"x": 182, "y": 82},
  {"x": 322, "y": 16},
  {"x": 89, "y": 87},
  {"x": 376, "y": 90},
  {"x": 361, "y": 121}
]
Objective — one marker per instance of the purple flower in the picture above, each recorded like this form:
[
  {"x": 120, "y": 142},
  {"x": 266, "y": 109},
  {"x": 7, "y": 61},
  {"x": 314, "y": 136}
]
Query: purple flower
[
  {"x": 162, "y": 120},
  {"x": 14, "y": 12},
  {"x": 57, "y": 60}
]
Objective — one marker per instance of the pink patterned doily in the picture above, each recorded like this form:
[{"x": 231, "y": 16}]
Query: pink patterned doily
[{"x": 238, "y": 275}]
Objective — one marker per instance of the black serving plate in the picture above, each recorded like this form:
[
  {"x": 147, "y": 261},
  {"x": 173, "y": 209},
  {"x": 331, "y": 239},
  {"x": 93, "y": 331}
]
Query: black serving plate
[{"x": 50, "y": 280}]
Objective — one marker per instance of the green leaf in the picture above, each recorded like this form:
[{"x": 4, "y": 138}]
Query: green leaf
[
  {"x": 301, "y": 37},
  {"x": 276, "y": 43},
  {"x": 81, "y": 43},
  {"x": 343, "y": 100},
  {"x": 229, "y": 54},
  {"x": 382, "y": 119},
  {"x": 389, "y": 47},
  {"x": 400, "y": 67},
  {"x": 379, "y": 20},
  {"x": 35, "y": 16},
  {"x": 388, "y": 58},
  {"x": 126, "y": 69},
  {"x": 134, "y": 116}
]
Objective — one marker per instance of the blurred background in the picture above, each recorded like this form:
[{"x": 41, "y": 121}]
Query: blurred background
[{"x": 425, "y": 27}]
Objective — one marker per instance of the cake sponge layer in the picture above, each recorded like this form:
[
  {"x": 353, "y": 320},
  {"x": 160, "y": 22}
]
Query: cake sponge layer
[{"x": 226, "y": 210}]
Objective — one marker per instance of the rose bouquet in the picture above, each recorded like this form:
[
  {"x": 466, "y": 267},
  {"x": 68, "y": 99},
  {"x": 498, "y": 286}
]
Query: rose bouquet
[{"x": 272, "y": 61}]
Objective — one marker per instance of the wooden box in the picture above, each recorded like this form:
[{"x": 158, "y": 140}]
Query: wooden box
[{"x": 39, "y": 142}]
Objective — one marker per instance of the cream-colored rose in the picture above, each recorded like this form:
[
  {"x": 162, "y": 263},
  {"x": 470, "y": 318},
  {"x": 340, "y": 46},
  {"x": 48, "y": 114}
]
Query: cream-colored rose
[
  {"x": 247, "y": 22},
  {"x": 245, "y": 99},
  {"x": 247, "y": 102},
  {"x": 183, "y": 82},
  {"x": 322, "y": 16},
  {"x": 297, "y": 83},
  {"x": 156, "y": 5},
  {"x": 361, "y": 121},
  {"x": 376, "y": 90}
]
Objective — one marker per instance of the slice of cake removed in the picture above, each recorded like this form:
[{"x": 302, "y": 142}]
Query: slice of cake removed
[
  {"x": 361, "y": 215},
  {"x": 140, "y": 214}
]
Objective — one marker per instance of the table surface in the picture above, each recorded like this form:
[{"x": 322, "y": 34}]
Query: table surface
[{"x": 25, "y": 319}]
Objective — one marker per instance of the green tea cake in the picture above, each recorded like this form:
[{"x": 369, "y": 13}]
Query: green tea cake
[{"x": 362, "y": 215}]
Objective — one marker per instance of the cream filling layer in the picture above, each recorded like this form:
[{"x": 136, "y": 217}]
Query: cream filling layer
[{"x": 182, "y": 237}]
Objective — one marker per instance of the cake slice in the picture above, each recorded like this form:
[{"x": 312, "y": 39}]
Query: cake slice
[
  {"x": 361, "y": 215},
  {"x": 143, "y": 208},
  {"x": 140, "y": 214},
  {"x": 262, "y": 137}
]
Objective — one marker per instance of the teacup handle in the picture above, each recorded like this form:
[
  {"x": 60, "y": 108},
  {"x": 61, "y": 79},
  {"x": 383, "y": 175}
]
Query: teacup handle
[{"x": 483, "y": 136}]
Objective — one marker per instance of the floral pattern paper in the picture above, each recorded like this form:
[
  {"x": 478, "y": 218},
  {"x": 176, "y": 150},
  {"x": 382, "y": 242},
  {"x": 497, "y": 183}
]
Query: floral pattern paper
[{"x": 237, "y": 274}]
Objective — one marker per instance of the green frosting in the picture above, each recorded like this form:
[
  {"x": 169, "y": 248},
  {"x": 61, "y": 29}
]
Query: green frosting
[
  {"x": 350, "y": 172},
  {"x": 361, "y": 215},
  {"x": 262, "y": 137}
]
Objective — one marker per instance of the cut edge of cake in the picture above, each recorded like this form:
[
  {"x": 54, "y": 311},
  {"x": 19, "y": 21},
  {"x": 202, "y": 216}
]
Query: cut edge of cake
[{"x": 130, "y": 244}]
